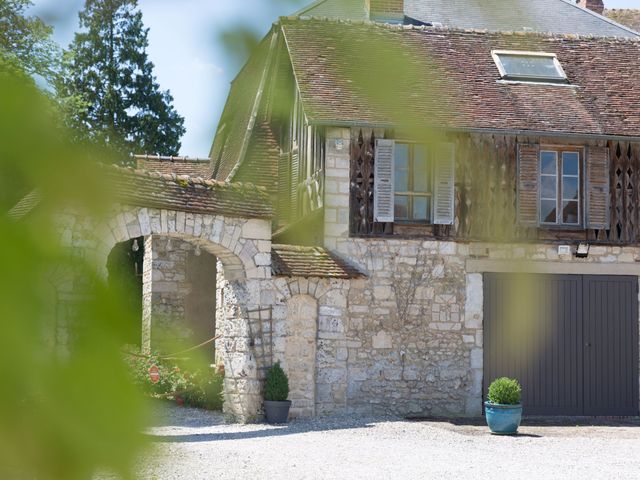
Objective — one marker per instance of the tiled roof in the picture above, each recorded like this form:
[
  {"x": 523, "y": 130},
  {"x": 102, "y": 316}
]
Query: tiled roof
[
  {"x": 550, "y": 16},
  {"x": 179, "y": 192},
  {"x": 298, "y": 261},
  {"x": 448, "y": 78},
  {"x": 628, "y": 17},
  {"x": 260, "y": 165},
  {"x": 238, "y": 111},
  {"x": 192, "y": 167},
  {"x": 175, "y": 192}
]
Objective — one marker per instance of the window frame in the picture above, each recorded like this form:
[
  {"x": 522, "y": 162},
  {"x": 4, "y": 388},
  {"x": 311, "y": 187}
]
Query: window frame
[
  {"x": 504, "y": 75},
  {"x": 559, "y": 152},
  {"x": 410, "y": 194}
]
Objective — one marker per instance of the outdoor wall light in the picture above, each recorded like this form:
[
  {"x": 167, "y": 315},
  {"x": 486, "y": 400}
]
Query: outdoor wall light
[
  {"x": 583, "y": 250},
  {"x": 135, "y": 247}
]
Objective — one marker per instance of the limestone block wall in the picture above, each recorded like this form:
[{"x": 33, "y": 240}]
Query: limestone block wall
[
  {"x": 413, "y": 329},
  {"x": 178, "y": 293},
  {"x": 240, "y": 347},
  {"x": 300, "y": 337},
  {"x": 310, "y": 321},
  {"x": 298, "y": 321}
]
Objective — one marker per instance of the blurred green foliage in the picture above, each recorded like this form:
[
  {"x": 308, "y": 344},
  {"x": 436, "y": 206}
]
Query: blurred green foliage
[{"x": 64, "y": 413}]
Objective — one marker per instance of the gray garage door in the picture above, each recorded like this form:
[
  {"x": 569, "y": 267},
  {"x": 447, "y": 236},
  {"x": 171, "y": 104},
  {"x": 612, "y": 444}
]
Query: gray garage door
[{"x": 571, "y": 340}]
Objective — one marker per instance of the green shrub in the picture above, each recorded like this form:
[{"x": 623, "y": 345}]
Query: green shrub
[
  {"x": 171, "y": 377},
  {"x": 204, "y": 390},
  {"x": 276, "y": 387},
  {"x": 505, "y": 391},
  {"x": 201, "y": 388}
]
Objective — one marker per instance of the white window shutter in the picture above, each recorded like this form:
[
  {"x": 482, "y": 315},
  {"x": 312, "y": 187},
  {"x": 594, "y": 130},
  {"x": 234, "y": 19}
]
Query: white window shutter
[
  {"x": 444, "y": 185},
  {"x": 383, "y": 197}
]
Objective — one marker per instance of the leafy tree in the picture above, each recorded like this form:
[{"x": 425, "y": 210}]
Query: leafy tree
[
  {"x": 27, "y": 39},
  {"x": 109, "y": 68}
]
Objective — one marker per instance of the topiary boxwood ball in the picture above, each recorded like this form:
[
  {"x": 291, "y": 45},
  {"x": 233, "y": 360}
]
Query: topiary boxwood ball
[{"x": 505, "y": 391}]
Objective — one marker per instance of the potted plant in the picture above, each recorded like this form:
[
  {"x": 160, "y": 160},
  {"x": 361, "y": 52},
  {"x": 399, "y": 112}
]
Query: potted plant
[
  {"x": 503, "y": 409},
  {"x": 276, "y": 391}
]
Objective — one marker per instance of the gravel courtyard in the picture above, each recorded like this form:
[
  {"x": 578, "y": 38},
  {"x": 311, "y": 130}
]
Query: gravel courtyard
[{"x": 193, "y": 444}]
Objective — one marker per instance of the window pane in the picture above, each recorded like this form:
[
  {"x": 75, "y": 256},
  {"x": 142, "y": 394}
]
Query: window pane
[
  {"x": 570, "y": 212},
  {"x": 401, "y": 167},
  {"x": 570, "y": 188},
  {"x": 421, "y": 180},
  {"x": 570, "y": 163},
  {"x": 529, "y": 66},
  {"x": 548, "y": 187},
  {"x": 401, "y": 180},
  {"x": 421, "y": 208},
  {"x": 548, "y": 211},
  {"x": 401, "y": 155},
  {"x": 548, "y": 163},
  {"x": 401, "y": 210}
]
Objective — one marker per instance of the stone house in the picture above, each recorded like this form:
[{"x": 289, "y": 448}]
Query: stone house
[
  {"x": 405, "y": 200},
  {"x": 439, "y": 152}
]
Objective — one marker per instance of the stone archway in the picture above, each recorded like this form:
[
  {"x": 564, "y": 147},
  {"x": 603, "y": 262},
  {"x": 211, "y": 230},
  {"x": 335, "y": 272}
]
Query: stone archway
[
  {"x": 243, "y": 249},
  {"x": 232, "y": 222},
  {"x": 242, "y": 245}
]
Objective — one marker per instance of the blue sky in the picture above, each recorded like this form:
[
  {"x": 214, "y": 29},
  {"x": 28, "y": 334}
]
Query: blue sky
[{"x": 189, "y": 57}]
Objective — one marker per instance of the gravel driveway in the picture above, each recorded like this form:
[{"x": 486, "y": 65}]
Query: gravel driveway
[{"x": 193, "y": 444}]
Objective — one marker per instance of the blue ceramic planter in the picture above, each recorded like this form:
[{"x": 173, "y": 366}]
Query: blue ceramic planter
[{"x": 503, "y": 419}]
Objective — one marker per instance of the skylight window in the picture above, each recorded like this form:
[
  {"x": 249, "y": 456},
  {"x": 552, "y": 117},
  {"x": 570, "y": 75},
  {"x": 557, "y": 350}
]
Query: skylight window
[{"x": 529, "y": 66}]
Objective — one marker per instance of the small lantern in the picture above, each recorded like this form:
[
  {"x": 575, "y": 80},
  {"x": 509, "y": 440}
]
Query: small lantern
[{"x": 583, "y": 250}]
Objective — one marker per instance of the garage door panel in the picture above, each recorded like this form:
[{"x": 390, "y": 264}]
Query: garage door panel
[
  {"x": 571, "y": 340},
  {"x": 532, "y": 333},
  {"x": 611, "y": 342}
]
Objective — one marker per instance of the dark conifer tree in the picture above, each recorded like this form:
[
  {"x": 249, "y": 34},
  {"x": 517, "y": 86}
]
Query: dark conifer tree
[{"x": 110, "y": 70}]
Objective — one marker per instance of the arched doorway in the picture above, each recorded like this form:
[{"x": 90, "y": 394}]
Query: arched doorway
[
  {"x": 178, "y": 296},
  {"x": 124, "y": 268},
  {"x": 231, "y": 222}
]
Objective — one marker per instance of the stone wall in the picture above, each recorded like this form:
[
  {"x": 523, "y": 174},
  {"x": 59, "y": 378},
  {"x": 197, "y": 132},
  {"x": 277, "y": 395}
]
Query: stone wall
[
  {"x": 179, "y": 281},
  {"x": 406, "y": 340},
  {"x": 413, "y": 327},
  {"x": 300, "y": 337},
  {"x": 242, "y": 247},
  {"x": 264, "y": 321}
]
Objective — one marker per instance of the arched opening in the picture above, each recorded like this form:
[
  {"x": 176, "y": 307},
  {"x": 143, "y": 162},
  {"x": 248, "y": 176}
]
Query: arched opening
[
  {"x": 190, "y": 261},
  {"x": 124, "y": 268},
  {"x": 179, "y": 296},
  {"x": 169, "y": 285}
]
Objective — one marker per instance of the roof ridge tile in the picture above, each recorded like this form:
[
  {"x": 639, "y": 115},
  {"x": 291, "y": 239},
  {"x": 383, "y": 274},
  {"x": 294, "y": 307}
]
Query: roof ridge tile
[{"x": 434, "y": 28}]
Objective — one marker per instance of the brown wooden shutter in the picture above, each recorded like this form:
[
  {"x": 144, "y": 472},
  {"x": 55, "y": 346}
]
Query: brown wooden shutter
[
  {"x": 383, "y": 197},
  {"x": 597, "y": 188},
  {"x": 444, "y": 186},
  {"x": 528, "y": 184}
]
